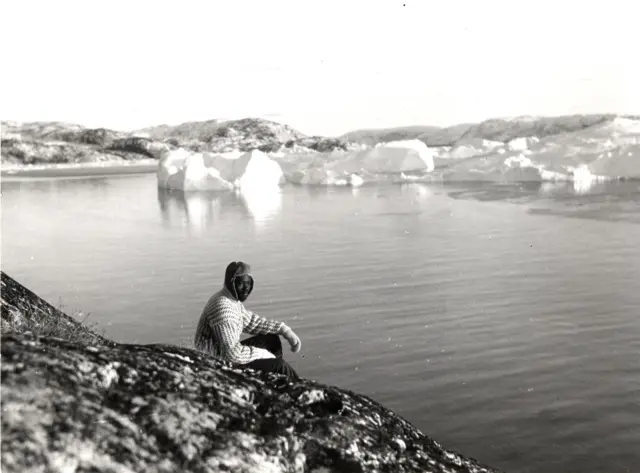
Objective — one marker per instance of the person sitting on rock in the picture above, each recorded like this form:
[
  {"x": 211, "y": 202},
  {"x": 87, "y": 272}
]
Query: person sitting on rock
[{"x": 224, "y": 318}]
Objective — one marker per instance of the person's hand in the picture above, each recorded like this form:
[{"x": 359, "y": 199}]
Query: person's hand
[{"x": 292, "y": 338}]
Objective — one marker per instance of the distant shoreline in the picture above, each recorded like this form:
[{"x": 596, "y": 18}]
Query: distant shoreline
[{"x": 13, "y": 173}]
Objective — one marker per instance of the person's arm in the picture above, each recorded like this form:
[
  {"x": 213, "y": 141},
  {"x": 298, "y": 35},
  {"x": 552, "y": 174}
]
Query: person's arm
[
  {"x": 256, "y": 324},
  {"x": 227, "y": 326}
]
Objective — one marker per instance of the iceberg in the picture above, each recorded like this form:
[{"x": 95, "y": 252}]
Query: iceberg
[
  {"x": 188, "y": 171},
  {"x": 522, "y": 143},
  {"x": 622, "y": 161},
  {"x": 373, "y": 164},
  {"x": 395, "y": 157},
  {"x": 467, "y": 148},
  {"x": 602, "y": 152}
]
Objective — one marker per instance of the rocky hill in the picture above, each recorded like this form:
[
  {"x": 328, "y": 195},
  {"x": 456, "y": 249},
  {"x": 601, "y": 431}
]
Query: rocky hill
[
  {"x": 373, "y": 136},
  {"x": 212, "y": 130},
  {"x": 55, "y": 142},
  {"x": 91, "y": 405},
  {"x": 497, "y": 129},
  {"x": 240, "y": 135}
]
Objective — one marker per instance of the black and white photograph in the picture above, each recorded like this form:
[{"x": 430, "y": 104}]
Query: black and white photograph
[{"x": 314, "y": 236}]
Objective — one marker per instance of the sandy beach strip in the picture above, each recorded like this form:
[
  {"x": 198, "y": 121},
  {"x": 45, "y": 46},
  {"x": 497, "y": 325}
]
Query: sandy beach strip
[{"x": 85, "y": 170}]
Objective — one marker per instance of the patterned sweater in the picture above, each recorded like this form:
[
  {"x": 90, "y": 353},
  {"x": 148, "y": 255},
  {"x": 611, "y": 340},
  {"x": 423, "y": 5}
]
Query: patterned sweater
[{"x": 222, "y": 322}]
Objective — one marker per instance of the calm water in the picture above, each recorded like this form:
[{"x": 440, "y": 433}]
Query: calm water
[{"x": 502, "y": 321}]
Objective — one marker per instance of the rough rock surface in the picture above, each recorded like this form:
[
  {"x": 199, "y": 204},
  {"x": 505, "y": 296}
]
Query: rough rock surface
[
  {"x": 18, "y": 152},
  {"x": 57, "y": 143},
  {"x": 23, "y": 311},
  {"x": 372, "y": 136},
  {"x": 240, "y": 135},
  {"x": 502, "y": 130},
  {"x": 506, "y": 130},
  {"x": 109, "y": 407}
]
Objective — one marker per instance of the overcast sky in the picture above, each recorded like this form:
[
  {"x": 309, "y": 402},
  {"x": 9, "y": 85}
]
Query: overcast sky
[{"x": 324, "y": 67}]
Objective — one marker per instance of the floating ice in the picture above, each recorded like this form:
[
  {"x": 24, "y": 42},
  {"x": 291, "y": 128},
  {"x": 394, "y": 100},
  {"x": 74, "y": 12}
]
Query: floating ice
[
  {"x": 357, "y": 167},
  {"x": 467, "y": 148},
  {"x": 522, "y": 143},
  {"x": 595, "y": 154},
  {"x": 602, "y": 152},
  {"x": 187, "y": 171},
  {"x": 395, "y": 157}
]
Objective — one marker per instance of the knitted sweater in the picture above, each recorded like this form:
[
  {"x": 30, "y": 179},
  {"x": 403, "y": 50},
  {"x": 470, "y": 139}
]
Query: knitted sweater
[{"x": 222, "y": 322}]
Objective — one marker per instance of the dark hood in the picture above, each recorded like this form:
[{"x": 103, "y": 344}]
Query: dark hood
[{"x": 234, "y": 270}]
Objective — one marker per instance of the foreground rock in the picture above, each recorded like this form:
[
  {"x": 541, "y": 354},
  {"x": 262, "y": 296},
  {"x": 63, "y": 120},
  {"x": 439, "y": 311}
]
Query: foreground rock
[
  {"x": 23, "y": 311},
  {"x": 110, "y": 407}
]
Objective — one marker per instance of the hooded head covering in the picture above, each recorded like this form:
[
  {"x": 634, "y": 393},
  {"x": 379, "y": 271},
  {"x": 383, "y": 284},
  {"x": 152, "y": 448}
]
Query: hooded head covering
[{"x": 234, "y": 270}]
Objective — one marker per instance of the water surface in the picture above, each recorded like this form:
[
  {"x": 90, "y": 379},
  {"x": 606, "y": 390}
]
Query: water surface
[{"x": 503, "y": 321}]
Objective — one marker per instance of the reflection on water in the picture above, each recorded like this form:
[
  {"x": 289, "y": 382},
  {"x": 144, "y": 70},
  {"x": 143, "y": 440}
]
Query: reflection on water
[
  {"x": 416, "y": 191},
  {"x": 560, "y": 189},
  {"x": 200, "y": 210},
  {"x": 55, "y": 184},
  {"x": 262, "y": 204},
  {"x": 610, "y": 201}
]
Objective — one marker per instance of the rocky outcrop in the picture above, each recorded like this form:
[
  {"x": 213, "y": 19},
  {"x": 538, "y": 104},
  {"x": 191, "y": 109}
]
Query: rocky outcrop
[
  {"x": 57, "y": 143},
  {"x": 44, "y": 143},
  {"x": 90, "y": 136},
  {"x": 23, "y": 311},
  {"x": 372, "y": 136},
  {"x": 240, "y": 135},
  {"x": 140, "y": 146},
  {"x": 38, "y": 130},
  {"x": 17, "y": 152},
  {"x": 211, "y": 131},
  {"x": 106, "y": 407},
  {"x": 321, "y": 144},
  {"x": 503, "y": 130}
]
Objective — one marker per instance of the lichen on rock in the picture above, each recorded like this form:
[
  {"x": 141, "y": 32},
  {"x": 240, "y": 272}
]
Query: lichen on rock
[{"x": 108, "y": 407}]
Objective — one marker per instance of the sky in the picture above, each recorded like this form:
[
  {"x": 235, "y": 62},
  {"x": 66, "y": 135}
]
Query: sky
[{"x": 324, "y": 67}]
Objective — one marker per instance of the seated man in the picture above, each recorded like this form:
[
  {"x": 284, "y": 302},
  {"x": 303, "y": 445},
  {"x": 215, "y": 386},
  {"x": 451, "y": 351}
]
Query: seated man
[{"x": 224, "y": 318}]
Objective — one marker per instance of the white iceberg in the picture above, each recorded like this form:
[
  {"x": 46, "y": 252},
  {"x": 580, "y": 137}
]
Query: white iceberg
[
  {"x": 602, "y": 152},
  {"x": 469, "y": 147},
  {"x": 523, "y": 143},
  {"x": 183, "y": 170},
  {"x": 607, "y": 151},
  {"x": 623, "y": 161},
  {"x": 354, "y": 168},
  {"x": 395, "y": 157}
]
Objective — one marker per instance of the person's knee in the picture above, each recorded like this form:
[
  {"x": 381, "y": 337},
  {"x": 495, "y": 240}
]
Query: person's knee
[
  {"x": 274, "y": 343},
  {"x": 273, "y": 338}
]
